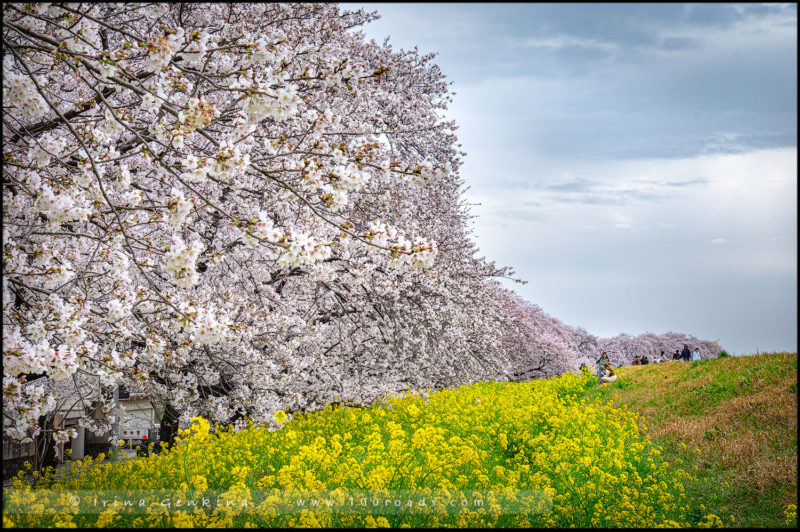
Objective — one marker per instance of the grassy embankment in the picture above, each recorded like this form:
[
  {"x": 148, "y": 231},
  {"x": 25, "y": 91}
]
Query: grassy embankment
[{"x": 740, "y": 412}]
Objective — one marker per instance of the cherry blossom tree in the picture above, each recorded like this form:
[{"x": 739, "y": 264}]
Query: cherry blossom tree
[
  {"x": 238, "y": 208},
  {"x": 537, "y": 344}
]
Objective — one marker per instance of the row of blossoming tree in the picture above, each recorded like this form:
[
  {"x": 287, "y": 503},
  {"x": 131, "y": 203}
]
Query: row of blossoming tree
[
  {"x": 538, "y": 345},
  {"x": 237, "y": 208}
]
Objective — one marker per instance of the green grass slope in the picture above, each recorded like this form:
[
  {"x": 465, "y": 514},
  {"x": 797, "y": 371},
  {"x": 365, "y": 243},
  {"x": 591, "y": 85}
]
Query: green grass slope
[{"x": 732, "y": 420}]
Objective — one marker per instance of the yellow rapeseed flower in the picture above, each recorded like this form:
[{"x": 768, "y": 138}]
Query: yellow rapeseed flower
[
  {"x": 539, "y": 437},
  {"x": 280, "y": 417}
]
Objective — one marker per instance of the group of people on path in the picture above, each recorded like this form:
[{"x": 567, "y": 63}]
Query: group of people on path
[
  {"x": 605, "y": 373},
  {"x": 686, "y": 354}
]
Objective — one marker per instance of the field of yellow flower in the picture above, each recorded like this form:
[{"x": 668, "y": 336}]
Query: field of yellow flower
[{"x": 489, "y": 454}]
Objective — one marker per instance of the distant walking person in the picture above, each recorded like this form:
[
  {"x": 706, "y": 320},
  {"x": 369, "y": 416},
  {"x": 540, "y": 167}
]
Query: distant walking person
[
  {"x": 676, "y": 356},
  {"x": 696, "y": 354},
  {"x": 686, "y": 354}
]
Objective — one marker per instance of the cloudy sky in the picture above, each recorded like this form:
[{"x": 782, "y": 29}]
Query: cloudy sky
[{"x": 636, "y": 164}]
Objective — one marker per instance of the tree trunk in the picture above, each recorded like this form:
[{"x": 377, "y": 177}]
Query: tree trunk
[
  {"x": 169, "y": 425},
  {"x": 44, "y": 448}
]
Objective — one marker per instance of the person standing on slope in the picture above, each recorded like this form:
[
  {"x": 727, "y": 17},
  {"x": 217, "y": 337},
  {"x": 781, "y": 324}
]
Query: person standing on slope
[
  {"x": 600, "y": 368},
  {"x": 686, "y": 354},
  {"x": 696, "y": 354}
]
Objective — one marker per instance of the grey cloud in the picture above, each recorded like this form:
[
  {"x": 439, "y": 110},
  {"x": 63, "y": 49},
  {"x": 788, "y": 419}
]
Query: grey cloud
[
  {"x": 725, "y": 15},
  {"x": 576, "y": 185},
  {"x": 618, "y": 81},
  {"x": 588, "y": 191},
  {"x": 689, "y": 183},
  {"x": 609, "y": 197},
  {"x": 645, "y": 26}
]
